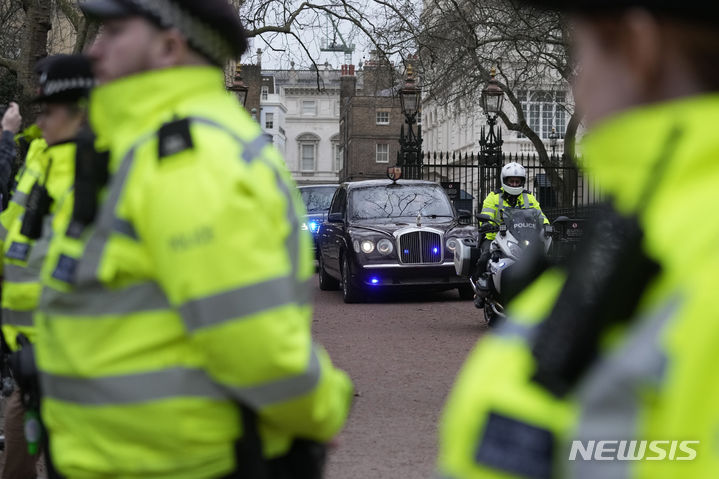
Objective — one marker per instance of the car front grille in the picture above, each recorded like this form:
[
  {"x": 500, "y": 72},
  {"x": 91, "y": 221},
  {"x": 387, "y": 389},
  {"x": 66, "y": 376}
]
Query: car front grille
[{"x": 420, "y": 247}]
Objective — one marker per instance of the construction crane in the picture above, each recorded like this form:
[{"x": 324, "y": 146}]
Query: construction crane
[{"x": 329, "y": 42}]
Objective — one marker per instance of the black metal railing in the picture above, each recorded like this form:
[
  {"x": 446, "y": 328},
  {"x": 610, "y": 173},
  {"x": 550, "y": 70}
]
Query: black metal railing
[{"x": 561, "y": 188}]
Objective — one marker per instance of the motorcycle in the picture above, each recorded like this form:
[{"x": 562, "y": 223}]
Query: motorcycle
[{"x": 521, "y": 245}]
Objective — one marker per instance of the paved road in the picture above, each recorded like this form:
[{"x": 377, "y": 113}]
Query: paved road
[{"x": 403, "y": 353}]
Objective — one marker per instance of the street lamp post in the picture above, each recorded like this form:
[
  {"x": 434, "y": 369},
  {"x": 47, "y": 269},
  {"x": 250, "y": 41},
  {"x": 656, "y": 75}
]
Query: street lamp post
[
  {"x": 410, "y": 145},
  {"x": 238, "y": 86},
  {"x": 490, "y": 142},
  {"x": 553, "y": 137}
]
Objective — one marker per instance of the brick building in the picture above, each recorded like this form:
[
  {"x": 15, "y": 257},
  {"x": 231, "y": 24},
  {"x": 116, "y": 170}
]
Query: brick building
[{"x": 370, "y": 120}]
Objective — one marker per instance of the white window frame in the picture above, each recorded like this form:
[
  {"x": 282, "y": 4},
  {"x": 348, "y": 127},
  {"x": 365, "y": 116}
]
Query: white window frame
[
  {"x": 307, "y": 140},
  {"x": 385, "y": 154},
  {"x": 303, "y": 145},
  {"x": 269, "y": 121},
  {"x": 305, "y": 111},
  {"x": 338, "y": 159},
  {"x": 384, "y": 117},
  {"x": 264, "y": 91},
  {"x": 544, "y": 110}
]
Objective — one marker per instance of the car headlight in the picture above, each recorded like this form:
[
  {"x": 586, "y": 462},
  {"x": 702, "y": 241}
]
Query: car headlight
[
  {"x": 356, "y": 246},
  {"x": 452, "y": 244},
  {"x": 304, "y": 227},
  {"x": 313, "y": 226},
  {"x": 384, "y": 246},
  {"x": 367, "y": 246}
]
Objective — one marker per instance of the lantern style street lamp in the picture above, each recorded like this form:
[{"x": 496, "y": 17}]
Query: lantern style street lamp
[
  {"x": 410, "y": 145},
  {"x": 238, "y": 86},
  {"x": 409, "y": 96},
  {"x": 491, "y": 143},
  {"x": 492, "y": 96}
]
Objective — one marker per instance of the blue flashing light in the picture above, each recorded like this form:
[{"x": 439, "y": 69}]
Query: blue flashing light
[
  {"x": 406, "y": 251},
  {"x": 374, "y": 281},
  {"x": 435, "y": 250},
  {"x": 314, "y": 226}
]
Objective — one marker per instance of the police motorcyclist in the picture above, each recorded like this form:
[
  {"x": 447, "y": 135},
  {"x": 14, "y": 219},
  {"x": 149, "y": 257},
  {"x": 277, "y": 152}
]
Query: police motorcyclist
[
  {"x": 175, "y": 325},
  {"x": 512, "y": 194}
]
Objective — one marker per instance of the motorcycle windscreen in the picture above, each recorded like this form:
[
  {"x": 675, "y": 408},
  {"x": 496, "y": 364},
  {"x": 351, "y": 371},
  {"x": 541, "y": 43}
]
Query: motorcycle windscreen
[{"x": 525, "y": 225}]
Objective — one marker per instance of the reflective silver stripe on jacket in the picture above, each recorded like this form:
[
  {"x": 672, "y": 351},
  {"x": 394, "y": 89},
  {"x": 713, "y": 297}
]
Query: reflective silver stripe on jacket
[
  {"x": 127, "y": 389},
  {"x": 30, "y": 272},
  {"x": 281, "y": 389},
  {"x": 248, "y": 300},
  {"x": 11, "y": 317},
  {"x": 3, "y": 233},
  {"x": 20, "y": 198},
  {"x": 610, "y": 394},
  {"x": 20, "y": 274},
  {"x": 489, "y": 210},
  {"x": 172, "y": 383},
  {"x": 525, "y": 200},
  {"x": 514, "y": 329},
  {"x": 98, "y": 300}
]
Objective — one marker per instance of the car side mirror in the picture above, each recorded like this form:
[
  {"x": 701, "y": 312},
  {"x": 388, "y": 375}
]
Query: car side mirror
[
  {"x": 464, "y": 214},
  {"x": 335, "y": 218}
]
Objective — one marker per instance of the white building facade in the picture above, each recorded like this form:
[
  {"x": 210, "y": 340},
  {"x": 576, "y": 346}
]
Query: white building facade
[
  {"x": 457, "y": 127},
  {"x": 300, "y": 110}
]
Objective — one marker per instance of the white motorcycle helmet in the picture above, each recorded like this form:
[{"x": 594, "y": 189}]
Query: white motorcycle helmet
[{"x": 513, "y": 170}]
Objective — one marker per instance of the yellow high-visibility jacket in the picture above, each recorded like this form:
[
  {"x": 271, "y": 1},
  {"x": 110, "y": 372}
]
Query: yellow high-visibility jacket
[
  {"x": 655, "y": 377},
  {"x": 497, "y": 200},
  {"x": 23, "y": 257},
  {"x": 187, "y": 295}
]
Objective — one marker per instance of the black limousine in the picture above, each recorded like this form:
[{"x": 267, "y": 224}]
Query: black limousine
[{"x": 382, "y": 233}]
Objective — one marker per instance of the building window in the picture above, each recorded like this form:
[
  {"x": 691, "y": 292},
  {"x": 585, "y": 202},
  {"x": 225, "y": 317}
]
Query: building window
[
  {"x": 382, "y": 153},
  {"x": 338, "y": 157},
  {"x": 383, "y": 118},
  {"x": 308, "y": 156},
  {"x": 544, "y": 110},
  {"x": 309, "y": 107},
  {"x": 269, "y": 120},
  {"x": 264, "y": 91},
  {"x": 307, "y": 152}
]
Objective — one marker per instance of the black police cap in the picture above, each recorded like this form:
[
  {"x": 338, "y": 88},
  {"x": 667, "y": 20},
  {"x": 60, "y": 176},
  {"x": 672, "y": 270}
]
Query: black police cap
[
  {"x": 701, "y": 10},
  {"x": 212, "y": 27},
  {"x": 64, "y": 78}
]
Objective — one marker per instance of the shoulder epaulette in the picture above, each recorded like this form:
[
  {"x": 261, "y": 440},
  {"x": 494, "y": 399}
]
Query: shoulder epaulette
[{"x": 174, "y": 137}]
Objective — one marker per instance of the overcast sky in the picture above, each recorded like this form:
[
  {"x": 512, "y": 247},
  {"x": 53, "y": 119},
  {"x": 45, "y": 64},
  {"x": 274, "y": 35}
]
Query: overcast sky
[{"x": 280, "y": 49}]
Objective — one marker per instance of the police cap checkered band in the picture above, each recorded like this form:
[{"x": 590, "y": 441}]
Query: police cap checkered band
[
  {"x": 702, "y": 10},
  {"x": 211, "y": 27},
  {"x": 64, "y": 78}
]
